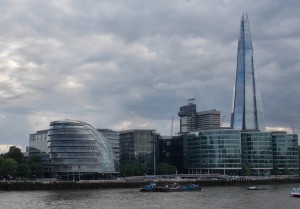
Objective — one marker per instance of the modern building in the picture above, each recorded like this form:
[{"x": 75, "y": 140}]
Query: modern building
[
  {"x": 209, "y": 119},
  {"x": 285, "y": 153},
  {"x": 78, "y": 150},
  {"x": 113, "y": 138},
  {"x": 247, "y": 113},
  {"x": 139, "y": 147},
  {"x": 191, "y": 120},
  {"x": 187, "y": 114},
  {"x": 38, "y": 146},
  {"x": 257, "y": 152},
  {"x": 214, "y": 152},
  {"x": 171, "y": 151}
]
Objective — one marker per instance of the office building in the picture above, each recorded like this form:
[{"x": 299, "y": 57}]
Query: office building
[
  {"x": 187, "y": 114},
  {"x": 285, "y": 153},
  {"x": 247, "y": 111},
  {"x": 38, "y": 146},
  {"x": 209, "y": 119},
  {"x": 257, "y": 152},
  {"x": 171, "y": 151},
  {"x": 139, "y": 147},
  {"x": 214, "y": 151}
]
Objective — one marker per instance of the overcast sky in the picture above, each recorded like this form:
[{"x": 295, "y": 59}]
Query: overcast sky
[{"x": 131, "y": 64}]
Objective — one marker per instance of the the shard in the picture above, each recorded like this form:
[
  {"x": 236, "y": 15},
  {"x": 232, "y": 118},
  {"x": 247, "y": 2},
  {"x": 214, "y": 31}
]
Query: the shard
[{"x": 247, "y": 111}]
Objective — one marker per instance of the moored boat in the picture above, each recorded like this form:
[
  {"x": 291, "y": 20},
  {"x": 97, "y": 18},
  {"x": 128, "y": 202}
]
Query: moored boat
[
  {"x": 170, "y": 188},
  {"x": 148, "y": 188},
  {"x": 190, "y": 187},
  {"x": 295, "y": 192}
]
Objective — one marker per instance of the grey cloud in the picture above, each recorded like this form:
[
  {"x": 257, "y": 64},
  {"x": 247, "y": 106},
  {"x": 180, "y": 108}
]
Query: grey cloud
[{"x": 115, "y": 64}]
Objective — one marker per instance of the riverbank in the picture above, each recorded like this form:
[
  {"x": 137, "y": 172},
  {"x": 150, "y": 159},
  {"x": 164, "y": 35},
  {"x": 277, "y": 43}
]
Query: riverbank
[{"x": 125, "y": 183}]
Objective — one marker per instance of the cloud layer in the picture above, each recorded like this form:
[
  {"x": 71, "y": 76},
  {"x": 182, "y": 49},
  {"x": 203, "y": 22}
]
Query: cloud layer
[{"x": 132, "y": 64}]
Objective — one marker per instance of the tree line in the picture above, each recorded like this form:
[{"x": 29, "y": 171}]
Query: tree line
[{"x": 14, "y": 164}]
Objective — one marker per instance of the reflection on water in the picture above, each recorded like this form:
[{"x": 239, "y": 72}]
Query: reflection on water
[{"x": 210, "y": 198}]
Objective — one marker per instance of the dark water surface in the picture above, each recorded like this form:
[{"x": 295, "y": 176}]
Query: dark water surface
[{"x": 231, "y": 197}]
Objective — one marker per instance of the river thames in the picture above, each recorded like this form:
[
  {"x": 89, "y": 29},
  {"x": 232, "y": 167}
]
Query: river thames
[{"x": 230, "y": 197}]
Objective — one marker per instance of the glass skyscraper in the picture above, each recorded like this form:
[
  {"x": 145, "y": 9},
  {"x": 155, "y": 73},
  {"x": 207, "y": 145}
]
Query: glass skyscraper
[{"x": 247, "y": 108}]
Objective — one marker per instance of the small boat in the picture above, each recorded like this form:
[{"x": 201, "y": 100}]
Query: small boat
[
  {"x": 257, "y": 188},
  {"x": 190, "y": 187},
  {"x": 148, "y": 188},
  {"x": 295, "y": 192},
  {"x": 152, "y": 187}
]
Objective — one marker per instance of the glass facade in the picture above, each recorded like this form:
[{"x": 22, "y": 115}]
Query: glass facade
[
  {"x": 38, "y": 147},
  {"x": 214, "y": 151},
  {"x": 138, "y": 147},
  {"x": 247, "y": 107},
  {"x": 113, "y": 138},
  {"x": 75, "y": 146},
  {"x": 285, "y": 153},
  {"x": 257, "y": 152}
]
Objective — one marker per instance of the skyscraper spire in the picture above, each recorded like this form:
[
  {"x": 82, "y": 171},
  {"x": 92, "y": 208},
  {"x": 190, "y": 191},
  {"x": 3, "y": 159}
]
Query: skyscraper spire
[{"x": 247, "y": 108}]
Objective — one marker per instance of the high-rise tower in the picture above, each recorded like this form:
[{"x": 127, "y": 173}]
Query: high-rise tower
[{"x": 247, "y": 113}]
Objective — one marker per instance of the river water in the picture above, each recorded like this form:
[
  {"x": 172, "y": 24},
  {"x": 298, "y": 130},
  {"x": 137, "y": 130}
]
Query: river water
[{"x": 231, "y": 197}]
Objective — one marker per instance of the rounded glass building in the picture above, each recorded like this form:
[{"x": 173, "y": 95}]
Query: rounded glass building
[{"x": 76, "y": 148}]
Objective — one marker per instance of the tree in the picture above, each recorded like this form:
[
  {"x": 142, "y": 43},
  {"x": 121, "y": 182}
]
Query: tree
[
  {"x": 165, "y": 168},
  {"x": 36, "y": 169},
  {"x": 133, "y": 170},
  {"x": 246, "y": 170},
  {"x": 8, "y": 167},
  {"x": 22, "y": 170},
  {"x": 14, "y": 153}
]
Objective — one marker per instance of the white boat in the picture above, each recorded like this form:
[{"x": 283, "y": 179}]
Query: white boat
[
  {"x": 257, "y": 188},
  {"x": 295, "y": 192}
]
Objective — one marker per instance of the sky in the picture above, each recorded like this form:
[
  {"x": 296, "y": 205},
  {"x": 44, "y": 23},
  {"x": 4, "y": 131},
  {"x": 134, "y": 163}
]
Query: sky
[{"x": 131, "y": 64}]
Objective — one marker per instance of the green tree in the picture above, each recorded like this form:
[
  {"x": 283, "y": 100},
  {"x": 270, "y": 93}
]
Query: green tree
[
  {"x": 246, "y": 170},
  {"x": 35, "y": 159},
  {"x": 36, "y": 169},
  {"x": 8, "y": 167},
  {"x": 22, "y": 170},
  {"x": 133, "y": 170},
  {"x": 14, "y": 153},
  {"x": 165, "y": 168}
]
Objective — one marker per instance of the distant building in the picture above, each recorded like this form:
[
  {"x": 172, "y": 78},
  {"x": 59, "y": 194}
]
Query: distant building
[
  {"x": 214, "y": 151},
  {"x": 113, "y": 138},
  {"x": 247, "y": 107},
  {"x": 191, "y": 120},
  {"x": 228, "y": 151},
  {"x": 137, "y": 147},
  {"x": 171, "y": 151},
  {"x": 187, "y": 114},
  {"x": 38, "y": 146},
  {"x": 257, "y": 152},
  {"x": 209, "y": 119},
  {"x": 285, "y": 153}
]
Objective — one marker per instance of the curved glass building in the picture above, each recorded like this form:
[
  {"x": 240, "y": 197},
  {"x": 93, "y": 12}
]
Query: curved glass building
[{"x": 77, "y": 147}]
